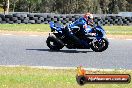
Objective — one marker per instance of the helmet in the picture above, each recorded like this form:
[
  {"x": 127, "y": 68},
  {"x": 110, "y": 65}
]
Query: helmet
[{"x": 89, "y": 18}]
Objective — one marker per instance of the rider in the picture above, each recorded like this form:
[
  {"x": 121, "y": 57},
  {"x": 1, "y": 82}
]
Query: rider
[{"x": 83, "y": 24}]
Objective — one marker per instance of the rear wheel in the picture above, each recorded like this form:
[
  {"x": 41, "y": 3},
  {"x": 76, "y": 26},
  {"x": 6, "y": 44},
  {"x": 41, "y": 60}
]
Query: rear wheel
[
  {"x": 53, "y": 43},
  {"x": 100, "y": 45},
  {"x": 81, "y": 80}
]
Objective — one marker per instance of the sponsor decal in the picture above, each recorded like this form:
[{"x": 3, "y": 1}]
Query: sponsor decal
[{"x": 83, "y": 78}]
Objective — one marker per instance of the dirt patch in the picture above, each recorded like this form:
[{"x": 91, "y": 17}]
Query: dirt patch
[
  {"x": 120, "y": 36},
  {"x": 46, "y": 33}
]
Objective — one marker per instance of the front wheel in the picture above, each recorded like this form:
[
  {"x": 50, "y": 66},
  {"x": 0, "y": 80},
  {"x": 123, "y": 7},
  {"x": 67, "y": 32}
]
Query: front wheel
[
  {"x": 53, "y": 43},
  {"x": 100, "y": 45}
]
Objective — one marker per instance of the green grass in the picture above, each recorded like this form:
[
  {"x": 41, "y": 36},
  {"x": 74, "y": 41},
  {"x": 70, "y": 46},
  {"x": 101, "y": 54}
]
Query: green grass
[
  {"x": 120, "y": 30},
  {"x": 1, "y": 9},
  {"x": 114, "y": 30},
  {"x": 25, "y": 77},
  {"x": 25, "y": 27}
]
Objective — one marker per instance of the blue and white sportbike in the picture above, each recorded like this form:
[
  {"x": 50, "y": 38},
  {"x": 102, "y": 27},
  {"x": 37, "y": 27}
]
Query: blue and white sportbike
[{"x": 58, "y": 38}]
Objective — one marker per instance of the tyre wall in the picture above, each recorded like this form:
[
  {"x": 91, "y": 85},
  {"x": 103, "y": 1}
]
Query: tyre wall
[{"x": 64, "y": 19}]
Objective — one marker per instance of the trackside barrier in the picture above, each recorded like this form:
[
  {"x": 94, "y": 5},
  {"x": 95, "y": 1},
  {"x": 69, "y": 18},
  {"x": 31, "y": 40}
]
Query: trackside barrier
[{"x": 60, "y": 18}]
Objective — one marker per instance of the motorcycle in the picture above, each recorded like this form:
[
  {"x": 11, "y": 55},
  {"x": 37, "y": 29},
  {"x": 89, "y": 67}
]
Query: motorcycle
[{"x": 58, "y": 38}]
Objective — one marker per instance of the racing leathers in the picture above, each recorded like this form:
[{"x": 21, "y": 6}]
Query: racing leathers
[{"x": 82, "y": 26}]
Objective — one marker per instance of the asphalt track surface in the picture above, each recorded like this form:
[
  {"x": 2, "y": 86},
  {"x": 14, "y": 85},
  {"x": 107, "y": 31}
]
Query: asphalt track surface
[{"x": 32, "y": 51}]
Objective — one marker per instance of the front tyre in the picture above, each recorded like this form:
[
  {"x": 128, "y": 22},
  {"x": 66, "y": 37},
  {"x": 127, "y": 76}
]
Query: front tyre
[
  {"x": 100, "y": 45},
  {"x": 53, "y": 43}
]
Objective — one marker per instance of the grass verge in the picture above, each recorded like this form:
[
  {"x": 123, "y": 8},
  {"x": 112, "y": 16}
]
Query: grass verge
[
  {"x": 118, "y": 30},
  {"x": 25, "y": 27},
  {"x": 26, "y": 77},
  {"x": 112, "y": 30}
]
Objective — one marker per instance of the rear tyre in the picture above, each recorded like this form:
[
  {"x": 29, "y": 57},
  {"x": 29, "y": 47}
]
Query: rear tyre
[
  {"x": 53, "y": 43},
  {"x": 100, "y": 45},
  {"x": 81, "y": 80}
]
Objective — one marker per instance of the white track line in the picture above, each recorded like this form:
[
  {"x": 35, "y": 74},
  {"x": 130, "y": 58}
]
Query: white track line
[
  {"x": 39, "y": 35},
  {"x": 61, "y": 68},
  {"x": 34, "y": 35},
  {"x": 7, "y": 34},
  {"x": 128, "y": 39},
  {"x": 110, "y": 38}
]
